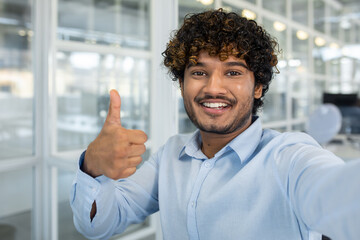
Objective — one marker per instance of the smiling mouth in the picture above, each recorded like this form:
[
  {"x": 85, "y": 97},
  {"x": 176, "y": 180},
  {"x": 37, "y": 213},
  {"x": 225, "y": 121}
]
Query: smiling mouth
[{"x": 213, "y": 105}]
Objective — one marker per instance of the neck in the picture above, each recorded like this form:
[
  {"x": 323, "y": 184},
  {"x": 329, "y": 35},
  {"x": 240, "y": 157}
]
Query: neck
[{"x": 214, "y": 142}]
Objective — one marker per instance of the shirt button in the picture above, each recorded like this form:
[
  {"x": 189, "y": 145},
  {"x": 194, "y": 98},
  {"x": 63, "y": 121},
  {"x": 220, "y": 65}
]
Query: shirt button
[{"x": 207, "y": 164}]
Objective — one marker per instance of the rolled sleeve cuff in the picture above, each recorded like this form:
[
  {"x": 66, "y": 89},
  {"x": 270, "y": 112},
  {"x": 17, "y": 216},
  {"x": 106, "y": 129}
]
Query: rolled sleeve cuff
[{"x": 85, "y": 191}]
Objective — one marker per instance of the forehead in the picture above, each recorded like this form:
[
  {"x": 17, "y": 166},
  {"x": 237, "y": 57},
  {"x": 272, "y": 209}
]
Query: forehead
[
  {"x": 204, "y": 56},
  {"x": 205, "y": 59}
]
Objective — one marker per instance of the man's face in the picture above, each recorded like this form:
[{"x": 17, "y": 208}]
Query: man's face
[{"x": 219, "y": 95}]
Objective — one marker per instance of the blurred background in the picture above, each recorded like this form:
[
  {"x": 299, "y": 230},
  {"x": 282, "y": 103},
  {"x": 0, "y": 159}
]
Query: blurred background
[{"x": 60, "y": 58}]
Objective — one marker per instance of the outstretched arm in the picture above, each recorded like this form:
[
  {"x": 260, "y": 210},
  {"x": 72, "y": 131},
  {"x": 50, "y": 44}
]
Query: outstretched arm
[{"x": 324, "y": 192}]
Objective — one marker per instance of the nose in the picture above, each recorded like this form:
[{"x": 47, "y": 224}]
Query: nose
[{"x": 215, "y": 85}]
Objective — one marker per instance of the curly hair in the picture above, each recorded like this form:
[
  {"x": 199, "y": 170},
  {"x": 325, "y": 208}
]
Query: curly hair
[{"x": 223, "y": 34}]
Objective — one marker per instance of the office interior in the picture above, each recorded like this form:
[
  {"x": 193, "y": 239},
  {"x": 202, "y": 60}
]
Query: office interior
[{"x": 60, "y": 58}]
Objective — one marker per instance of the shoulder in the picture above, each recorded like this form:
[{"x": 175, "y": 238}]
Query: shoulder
[
  {"x": 300, "y": 149},
  {"x": 288, "y": 146},
  {"x": 282, "y": 140}
]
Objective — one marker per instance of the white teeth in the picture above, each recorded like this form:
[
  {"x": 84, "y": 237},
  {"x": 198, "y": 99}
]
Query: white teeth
[{"x": 214, "y": 105}]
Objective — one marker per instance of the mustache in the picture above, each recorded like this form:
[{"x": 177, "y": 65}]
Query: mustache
[{"x": 198, "y": 99}]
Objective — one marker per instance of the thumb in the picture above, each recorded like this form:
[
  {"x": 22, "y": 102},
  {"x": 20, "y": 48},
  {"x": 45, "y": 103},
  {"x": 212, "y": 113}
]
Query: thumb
[{"x": 114, "y": 108}]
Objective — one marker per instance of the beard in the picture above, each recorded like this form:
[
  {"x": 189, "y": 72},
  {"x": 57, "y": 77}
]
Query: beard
[{"x": 236, "y": 123}]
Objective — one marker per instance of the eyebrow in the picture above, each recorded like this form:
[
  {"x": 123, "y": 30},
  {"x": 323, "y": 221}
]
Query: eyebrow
[
  {"x": 235, "y": 64},
  {"x": 229, "y": 64}
]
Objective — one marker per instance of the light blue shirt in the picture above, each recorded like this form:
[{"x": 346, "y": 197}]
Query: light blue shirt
[{"x": 262, "y": 185}]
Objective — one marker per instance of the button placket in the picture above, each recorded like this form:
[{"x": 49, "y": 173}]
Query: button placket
[
  {"x": 191, "y": 220},
  {"x": 209, "y": 163}
]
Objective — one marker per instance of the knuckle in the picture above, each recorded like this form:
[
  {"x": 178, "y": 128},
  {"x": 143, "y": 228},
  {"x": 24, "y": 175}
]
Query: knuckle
[
  {"x": 130, "y": 171},
  {"x": 127, "y": 172},
  {"x": 126, "y": 150},
  {"x": 143, "y": 148},
  {"x": 121, "y": 152},
  {"x": 132, "y": 162},
  {"x": 121, "y": 135},
  {"x": 124, "y": 138},
  {"x": 140, "y": 135},
  {"x": 138, "y": 160},
  {"x": 143, "y": 136}
]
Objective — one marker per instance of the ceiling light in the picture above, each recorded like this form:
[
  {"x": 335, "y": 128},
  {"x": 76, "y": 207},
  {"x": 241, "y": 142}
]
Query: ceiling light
[
  {"x": 206, "y": 2},
  {"x": 294, "y": 62},
  {"x": 319, "y": 41},
  {"x": 227, "y": 9},
  {"x": 334, "y": 45},
  {"x": 282, "y": 64},
  {"x": 128, "y": 64},
  {"x": 22, "y": 33},
  {"x": 84, "y": 60},
  {"x": 248, "y": 14},
  {"x": 279, "y": 26},
  {"x": 302, "y": 35}
]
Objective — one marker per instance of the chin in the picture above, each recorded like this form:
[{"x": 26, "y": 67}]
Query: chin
[{"x": 215, "y": 129}]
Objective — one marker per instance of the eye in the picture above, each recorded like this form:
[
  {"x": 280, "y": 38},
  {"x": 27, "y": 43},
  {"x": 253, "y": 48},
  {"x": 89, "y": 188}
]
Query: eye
[
  {"x": 233, "y": 73},
  {"x": 198, "y": 73}
]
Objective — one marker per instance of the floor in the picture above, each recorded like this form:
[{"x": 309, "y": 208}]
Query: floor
[{"x": 16, "y": 227}]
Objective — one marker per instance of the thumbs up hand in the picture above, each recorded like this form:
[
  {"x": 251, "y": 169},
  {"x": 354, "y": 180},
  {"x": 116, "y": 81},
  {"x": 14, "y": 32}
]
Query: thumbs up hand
[{"x": 116, "y": 151}]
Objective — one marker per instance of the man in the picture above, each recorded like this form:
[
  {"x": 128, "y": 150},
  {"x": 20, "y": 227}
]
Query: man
[{"x": 231, "y": 179}]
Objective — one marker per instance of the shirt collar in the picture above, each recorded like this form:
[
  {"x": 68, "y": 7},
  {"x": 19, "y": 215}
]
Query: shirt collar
[
  {"x": 192, "y": 147},
  {"x": 243, "y": 145}
]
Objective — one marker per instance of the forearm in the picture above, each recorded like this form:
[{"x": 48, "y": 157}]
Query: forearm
[
  {"x": 103, "y": 207},
  {"x": 332, "y": 204},
  {"x": 98, "y": 193},
  {"x": 323, "y": 191}
]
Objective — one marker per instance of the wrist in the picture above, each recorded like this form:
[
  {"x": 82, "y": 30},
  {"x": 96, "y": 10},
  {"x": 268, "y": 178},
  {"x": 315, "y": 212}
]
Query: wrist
[{"x": 86, "y": 165}]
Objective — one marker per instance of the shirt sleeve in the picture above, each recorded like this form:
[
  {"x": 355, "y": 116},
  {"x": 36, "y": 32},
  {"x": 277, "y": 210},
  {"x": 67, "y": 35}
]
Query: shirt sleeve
[
  {"x": 118, "y": 203},
  {"x": 324, "y": 192}
]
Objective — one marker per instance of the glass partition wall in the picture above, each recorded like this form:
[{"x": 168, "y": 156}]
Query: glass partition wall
[
  {"x": 60, "y": 58},
  {"x": 16, "y": 79},
  {"x": 16, "y": 119},
  {"x": 99, "y": 46}
]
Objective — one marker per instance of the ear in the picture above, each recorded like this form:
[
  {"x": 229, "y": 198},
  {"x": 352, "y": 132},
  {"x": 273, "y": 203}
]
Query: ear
[{"x": 258, "y": 91}]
